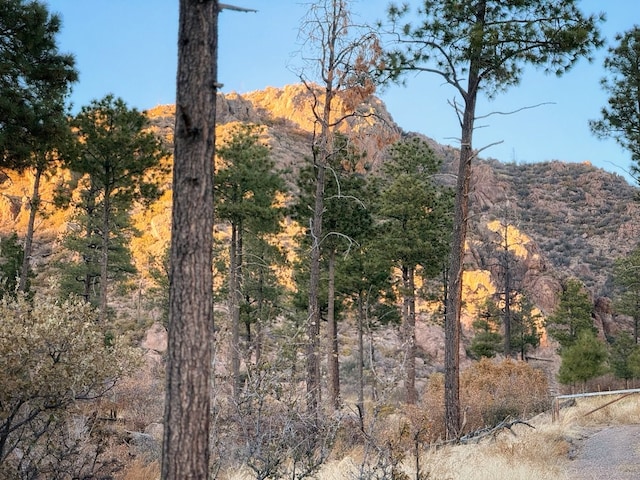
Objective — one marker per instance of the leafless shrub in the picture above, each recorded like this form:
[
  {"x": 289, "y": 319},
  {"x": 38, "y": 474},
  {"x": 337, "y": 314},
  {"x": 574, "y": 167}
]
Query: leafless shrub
[{"x": 271, "y": 432}]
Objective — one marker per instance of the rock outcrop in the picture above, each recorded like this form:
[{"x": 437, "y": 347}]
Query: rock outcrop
[{"x": 571, "y": 220}]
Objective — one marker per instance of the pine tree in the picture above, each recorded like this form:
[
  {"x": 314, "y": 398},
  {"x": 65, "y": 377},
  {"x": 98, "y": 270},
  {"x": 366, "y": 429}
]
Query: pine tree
[
  {"x": 583, "y": 360},
  {"x": 262, "y": 293},
  {"x": 525, "y": 332},
  {"x": 481, "y": 46},
  {"x": 624, "y": 356},
  {"x": 35, "y": 79},
  {"x": 116, "y": 160},
  {"x": 627, "y": 282},
  {"x": 365, "y": 281},
  {"x": 347, "y": 220},
  {"x": 487, "y": 339},
  {"x": 414, "y": 213},
  {"x": 572, "y": 315},
  {"x": 247, "y": 189},
  {"x": 621, "y": 117}
]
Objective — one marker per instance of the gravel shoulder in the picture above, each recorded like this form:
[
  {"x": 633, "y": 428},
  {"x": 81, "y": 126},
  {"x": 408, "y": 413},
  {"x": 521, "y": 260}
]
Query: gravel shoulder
[{"x": 611, "y": 453}]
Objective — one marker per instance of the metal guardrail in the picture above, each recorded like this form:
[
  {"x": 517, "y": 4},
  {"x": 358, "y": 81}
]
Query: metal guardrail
[{"x": 555, "y": 404}]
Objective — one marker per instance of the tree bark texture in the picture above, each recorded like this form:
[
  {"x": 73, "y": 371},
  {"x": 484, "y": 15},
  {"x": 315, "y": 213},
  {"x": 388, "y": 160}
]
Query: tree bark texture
[
  {"x": 507, "y": 294},
  {"x": 234, "y": 309},
  {"x": 454, "y": 298},
  {"x": 456, "y": 266},
  {"x": 89, "y": 278},
  {"x": 188, "y": 393},
  {"x": 104, "y": 256},
  {"x": 360, "y": 359}
]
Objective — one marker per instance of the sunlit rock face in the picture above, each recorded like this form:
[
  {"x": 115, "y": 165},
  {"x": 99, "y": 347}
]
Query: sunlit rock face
[{"x": 559, "y": 220}]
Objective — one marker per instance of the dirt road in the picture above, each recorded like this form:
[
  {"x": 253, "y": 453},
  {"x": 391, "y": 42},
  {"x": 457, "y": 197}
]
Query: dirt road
[{"x": 612, "y": 453}]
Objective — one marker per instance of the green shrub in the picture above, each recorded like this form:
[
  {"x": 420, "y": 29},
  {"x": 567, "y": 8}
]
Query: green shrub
[{"x": 54, "y": 357}]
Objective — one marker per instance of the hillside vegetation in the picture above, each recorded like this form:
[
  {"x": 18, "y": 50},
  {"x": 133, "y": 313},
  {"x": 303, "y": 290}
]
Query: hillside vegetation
[
  {"x": 558, "y": 221},
  {"x": 574, "y": 219}
]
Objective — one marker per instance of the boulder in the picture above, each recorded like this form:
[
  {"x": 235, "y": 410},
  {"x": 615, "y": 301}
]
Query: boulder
[{"x": 156, "y": 338}]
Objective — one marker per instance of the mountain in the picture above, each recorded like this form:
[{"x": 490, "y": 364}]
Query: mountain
[
  {"x": 574, "y": 219},
  {"x": 566, "y": 219}
]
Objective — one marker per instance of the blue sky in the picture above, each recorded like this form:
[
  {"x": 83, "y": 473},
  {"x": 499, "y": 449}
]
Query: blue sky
[{"x": 128, "y": 48}]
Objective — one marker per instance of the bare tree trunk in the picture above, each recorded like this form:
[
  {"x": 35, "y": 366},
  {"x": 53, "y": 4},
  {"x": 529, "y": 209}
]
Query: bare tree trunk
[
  {"x": 506, "y": 265},
  {"x": 371, "y": 351},
  {"x": 360, "y": 360},
  {"x": 327, "y": 28},
  {"x": 260, "y": 306},
  {"x": 34, "y": 204},
  {"x": 321, "y": 153},
  {"x": 313, "y": 321},
  {"x": 409, "y": 326},
  {"x": 332, "y": 335},
  {"x": 454, "y": 289},
  {"x": 454, "y": 299},
  {"x": 189, "y": 356},
  {"x": 234, "y": 311},
  {"x": 104, "y": 259}
]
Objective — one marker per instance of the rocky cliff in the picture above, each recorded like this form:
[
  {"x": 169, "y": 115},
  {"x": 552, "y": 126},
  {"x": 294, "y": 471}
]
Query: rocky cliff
[
  {"x": 569, "y": 220},
  {"x": 562, "y": 219}
]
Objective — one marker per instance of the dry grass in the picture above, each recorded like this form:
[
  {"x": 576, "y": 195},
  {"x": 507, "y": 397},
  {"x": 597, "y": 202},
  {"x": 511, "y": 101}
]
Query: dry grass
[
  {"x": 541, "y": 453},
  {"x": 530, "y": 457},
  {"x": 139, "y": 470},
  {"x": 592, "y": 412},
  {"x": 523, "y": 453}
]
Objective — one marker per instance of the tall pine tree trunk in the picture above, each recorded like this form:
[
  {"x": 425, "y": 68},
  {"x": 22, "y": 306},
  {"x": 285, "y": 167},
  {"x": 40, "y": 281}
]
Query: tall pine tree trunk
[
  {"x": 454, "y": 287},
  {"x": 507, "y": 313},
  {"x": 507, "y": 294},
  {"x": 89, "y": 277},
  {"x": 360, "y": 404},
  {"x": 104, "y": 257},
  {"x": 257, "y": 341},
  {"x": 458, "y": 240},
  {"x": 313, "y": 320},
  {"x": 234, "y": 310},
  {"x": 189, "y": 355},
  {"x": 34, "y": 204},
  {"x": 409, "y": 326},
  {"x": 332, "y": 336}
]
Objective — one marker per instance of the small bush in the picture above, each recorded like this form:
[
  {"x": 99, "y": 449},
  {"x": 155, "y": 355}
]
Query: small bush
[{"x": 490, "y": 391}]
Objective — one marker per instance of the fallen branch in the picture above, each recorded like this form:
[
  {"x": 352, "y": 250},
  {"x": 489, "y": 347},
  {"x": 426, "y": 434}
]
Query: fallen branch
[{"x": 493, "y": 431}]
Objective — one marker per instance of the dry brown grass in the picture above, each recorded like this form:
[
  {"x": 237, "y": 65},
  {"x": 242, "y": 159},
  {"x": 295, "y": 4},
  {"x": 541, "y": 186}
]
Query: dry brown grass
[
  {"x": 523, "y": 453},
  {"x": 139, "y": 470},
  {"x": 540, "y": 453}
]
